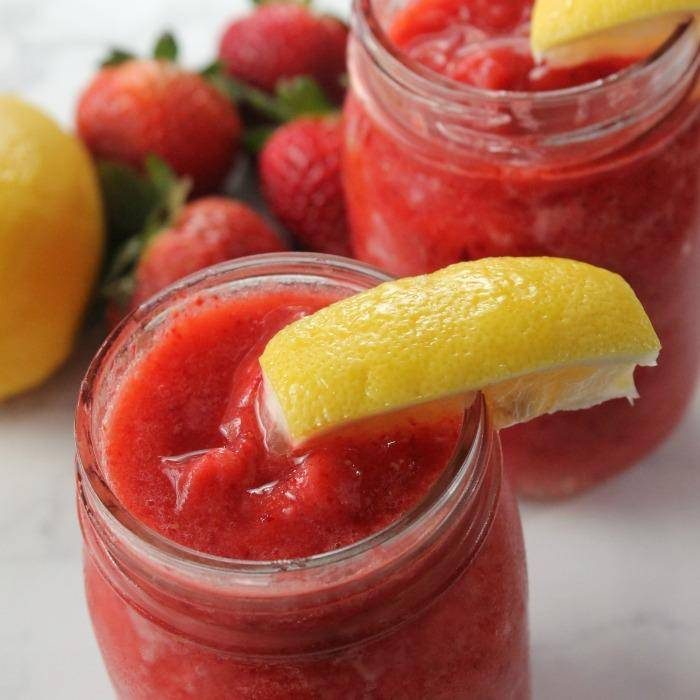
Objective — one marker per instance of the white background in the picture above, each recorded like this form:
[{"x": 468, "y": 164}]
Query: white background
[{"x": 615, "y": 574}]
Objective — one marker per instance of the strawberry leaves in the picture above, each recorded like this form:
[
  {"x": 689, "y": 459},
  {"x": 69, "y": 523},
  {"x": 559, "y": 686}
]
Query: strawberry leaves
[
  {"x": 255, "y": 137},
  {"x": 116, "y": 57},
  {"x": 166, "y": 48},
  {"x": 127, "y": 197},
  {"x": 293, "y": 98},
  {"x": 302, "y": 96},
  {"x": 143, "y": 205}
]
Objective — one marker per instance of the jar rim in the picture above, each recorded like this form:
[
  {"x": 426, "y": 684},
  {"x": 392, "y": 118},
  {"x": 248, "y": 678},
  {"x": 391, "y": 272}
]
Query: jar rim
[
  {"x": 460, "y": 479},
  {"x": 367, "y": 25}
]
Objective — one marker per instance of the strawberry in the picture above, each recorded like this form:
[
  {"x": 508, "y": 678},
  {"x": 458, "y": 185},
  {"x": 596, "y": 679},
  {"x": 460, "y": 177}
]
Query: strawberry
[
  {"x": 300, "y": 173},
  {"x": 133, "y": 108},
  {"x": 207, "y": 231},
  {"x": 170, "y": 239},
  {"x": 299, "y": 163},
  {"x": 283, "y": 40}
]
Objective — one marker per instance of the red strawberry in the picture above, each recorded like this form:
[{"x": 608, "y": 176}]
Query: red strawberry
[
  {"x": 206, "y": 232},
  {"x": 301, "y": 180},
  {"x": 142, "y": 107},
  {"x": 285, "y": 40}
]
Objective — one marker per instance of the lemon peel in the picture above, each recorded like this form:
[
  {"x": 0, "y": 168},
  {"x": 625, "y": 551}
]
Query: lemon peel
[{"x": 535, "y": 335}]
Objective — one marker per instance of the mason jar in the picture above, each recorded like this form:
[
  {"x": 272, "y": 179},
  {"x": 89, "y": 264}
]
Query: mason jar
[
  {"x": 433, "y": 606},
  {"x": 437, "y": 171}
]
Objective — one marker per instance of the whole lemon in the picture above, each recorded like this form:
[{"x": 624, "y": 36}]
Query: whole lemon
[{"x": 51, "y": 239}]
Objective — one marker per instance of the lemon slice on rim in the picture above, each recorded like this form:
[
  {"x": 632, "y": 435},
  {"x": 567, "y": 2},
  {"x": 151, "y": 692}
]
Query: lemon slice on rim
[
  {"x": 535, "y": 335},
  {"x": 569, "y": 32}
]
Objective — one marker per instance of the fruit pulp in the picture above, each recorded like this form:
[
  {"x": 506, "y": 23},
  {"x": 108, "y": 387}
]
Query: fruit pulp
[
  {"x": 186, "y": 454},
  {"x": 485, "y": 43},
  {"x": 635, "y": 211},
  {"x": 186, "y": 451}
]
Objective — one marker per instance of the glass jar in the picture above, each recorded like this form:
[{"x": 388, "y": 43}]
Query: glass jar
[
  {"x": 434, "y": 606},
  {"x": 609, "y": 173}
]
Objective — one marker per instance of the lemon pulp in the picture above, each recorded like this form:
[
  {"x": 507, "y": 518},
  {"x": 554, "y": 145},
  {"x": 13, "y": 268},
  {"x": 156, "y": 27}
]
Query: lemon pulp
[{"x": 568, "y": 32}]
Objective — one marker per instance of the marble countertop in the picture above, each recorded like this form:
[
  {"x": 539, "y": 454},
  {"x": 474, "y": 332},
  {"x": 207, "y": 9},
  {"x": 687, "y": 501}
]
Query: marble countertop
[{"x": 614, "y": 575}]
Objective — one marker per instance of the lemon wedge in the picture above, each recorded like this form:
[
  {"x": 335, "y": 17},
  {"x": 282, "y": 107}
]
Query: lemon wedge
[
  {"x": 571, "y": 32},
  {"x": 535, "y": 335}
]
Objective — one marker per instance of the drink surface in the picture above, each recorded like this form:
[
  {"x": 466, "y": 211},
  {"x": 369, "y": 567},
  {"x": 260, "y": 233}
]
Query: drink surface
[
  {"x": 188, "y": 456},
  {"x": 486, "y": 44}
]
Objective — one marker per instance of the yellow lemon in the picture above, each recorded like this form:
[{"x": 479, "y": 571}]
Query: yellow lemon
[
  {"x": 535, "y": 335},
  {"x": 51, "y": 239},
  {"x": 569, "y": 32}
]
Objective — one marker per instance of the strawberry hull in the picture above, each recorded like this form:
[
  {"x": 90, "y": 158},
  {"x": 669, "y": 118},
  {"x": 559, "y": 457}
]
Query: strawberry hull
[
  {"x": 207, "y": 231},
  {"x": 281, "y": 40},
  {"x": 384, "y": 564}
]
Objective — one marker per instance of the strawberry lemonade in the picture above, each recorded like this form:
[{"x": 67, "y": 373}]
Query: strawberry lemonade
[
  {"x": 254, "y": 529},
  {"x": 325, "y": 573},
  {"x": 460, "y": 146}
]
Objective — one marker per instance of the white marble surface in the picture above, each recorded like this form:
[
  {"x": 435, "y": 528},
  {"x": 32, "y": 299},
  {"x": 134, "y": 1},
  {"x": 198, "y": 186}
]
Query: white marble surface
[{"x": 615, "y": 575}]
